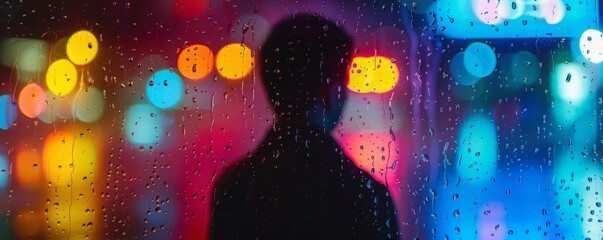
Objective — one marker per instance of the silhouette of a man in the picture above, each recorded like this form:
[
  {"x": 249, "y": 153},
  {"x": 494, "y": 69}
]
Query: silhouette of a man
[{"x": 299, "y": 184}]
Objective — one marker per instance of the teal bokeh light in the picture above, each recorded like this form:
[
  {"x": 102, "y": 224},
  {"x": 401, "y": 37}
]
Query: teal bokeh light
[
  {"x": 525, "y": 67},
  {"x": 4, "y": 172},
  {"x": 515, "y": 18},
  {"x": 459, "y": 73},
  {"x": 579, "y": 198},
  {"x": 479, "y": 59},
  {"x": 165, "y": 89},
  {"x": 572, "y": 83},
  {"x": 592, "y": 209},
  {"x": 477, "y": 150},
  {"x": 144, "y": 124},
  {"x": 519, "y": 69}
]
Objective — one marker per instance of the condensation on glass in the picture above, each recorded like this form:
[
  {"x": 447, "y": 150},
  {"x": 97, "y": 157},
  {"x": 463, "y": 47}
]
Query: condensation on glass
[{"x": 460, "y": 119}]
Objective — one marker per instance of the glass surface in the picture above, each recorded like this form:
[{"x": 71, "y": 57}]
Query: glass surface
[{"x": 352, "y": 119}]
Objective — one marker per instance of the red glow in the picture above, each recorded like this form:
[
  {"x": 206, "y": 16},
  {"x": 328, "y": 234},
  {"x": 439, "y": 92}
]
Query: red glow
[
  {"x": 373, "y": 152},
  {"x": 189, "y": 9}
]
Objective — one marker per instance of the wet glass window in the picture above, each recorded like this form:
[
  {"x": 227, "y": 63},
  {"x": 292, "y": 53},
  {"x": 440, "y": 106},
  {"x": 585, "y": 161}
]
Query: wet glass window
[{"x": 351, "y": 119}]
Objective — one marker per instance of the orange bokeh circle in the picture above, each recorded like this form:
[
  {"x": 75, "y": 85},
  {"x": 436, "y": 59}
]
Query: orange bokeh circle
[
  {"x": 195, "y": 62},
  {"x": 32, "y": 100}
]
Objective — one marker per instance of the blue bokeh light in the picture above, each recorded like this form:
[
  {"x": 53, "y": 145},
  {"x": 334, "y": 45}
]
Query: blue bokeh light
[
  {"x": 158, "y": 210},
  {"x": 8, "y": 112},
  {"x": 165, "y": 89}
]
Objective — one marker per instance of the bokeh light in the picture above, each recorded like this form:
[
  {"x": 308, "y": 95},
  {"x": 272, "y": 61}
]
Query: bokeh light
[
  {"x": 57, "y": 107},
  {"x": 479, "y": 59},
  {"x": 372, "y": 151},
  {"x": 459, "y": 73},
  {"x": 526, "y": 195},
  {"x": 514, "y": 19},
  {"x": 566, "y": 113},
  {"x": 373, "y": 74},
  {"x": 492, "y": 225},
  {"x": 8, "y": 112},
  {"x": 144, "y": 124},
  {"x": 486, "y": 11},
  {"x": 510, "y": 9},
  {"x": 32, "y": 100},
  {"x": 477, "y": 149},
  {"x": 82, "y": 47},
  {"x": 70, "y": 158},
  {"x": 591, "y": 45},
  {"x": 553, "y": 11},
  {"x": 189, "y": 9},
  {"x": 72, "y": 213},
  {"x": 447, "y": 103},
  {"x": 4, "y": 171},
  {"x": 89, "y": 105},
  {"x": 28, "y": 168},
  {"x": 579, "y": 185},
  {"x": 234, "y": 61},
  {"x": 28, "y": 56},
  {"x": 28, "y": 224},
  {"x": 571, "y": 82},
  {"x": 525, "y": 67},
  {"x": 165, "y": 89},
  {"x": 195, "y": 62},
  {"x": 592, "y": 209},
  {"x": 157, "y": 208},
  {"x": 71, "y": 163},
  {"x": 61, "y": 77}
]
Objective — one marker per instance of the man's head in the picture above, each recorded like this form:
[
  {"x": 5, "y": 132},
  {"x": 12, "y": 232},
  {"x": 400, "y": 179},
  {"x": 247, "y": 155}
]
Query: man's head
[{"x": 304, "y": 67}]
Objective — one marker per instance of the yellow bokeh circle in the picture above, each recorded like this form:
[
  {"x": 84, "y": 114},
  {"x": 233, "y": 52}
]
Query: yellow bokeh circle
[
  {"x": 61, "y": 77},
  {"x": 82, "y": 47},
  {"x": 70, "y": 159},
  {"x": 234, "y": 61},
  {"x": 373, "y": 74}
]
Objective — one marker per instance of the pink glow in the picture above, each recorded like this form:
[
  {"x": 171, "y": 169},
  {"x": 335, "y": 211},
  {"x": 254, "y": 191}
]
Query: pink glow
[
  {"x": 491, "y": 223},
  {"x": 486, "y": 11}
]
